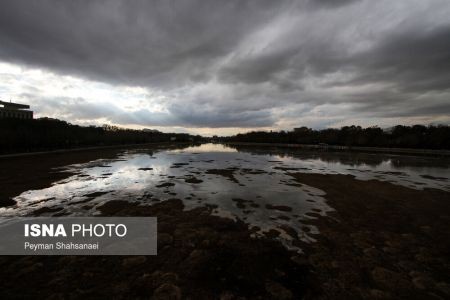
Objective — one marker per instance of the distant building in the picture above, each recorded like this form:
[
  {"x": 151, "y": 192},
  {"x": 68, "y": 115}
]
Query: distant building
[
  {"x": 15, "y": 111},
  {"x": 301, "y": 129},
  {"x": 150, "y": 130}
]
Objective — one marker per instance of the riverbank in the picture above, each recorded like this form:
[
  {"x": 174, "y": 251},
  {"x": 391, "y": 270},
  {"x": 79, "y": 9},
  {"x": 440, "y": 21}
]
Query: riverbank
[
  {"x": 82, "y": 149},
  {"x": 410, "y": 151}
]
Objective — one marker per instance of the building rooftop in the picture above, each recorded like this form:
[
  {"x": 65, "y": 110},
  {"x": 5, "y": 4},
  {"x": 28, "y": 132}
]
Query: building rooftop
[{"x": 14, "y": 105}]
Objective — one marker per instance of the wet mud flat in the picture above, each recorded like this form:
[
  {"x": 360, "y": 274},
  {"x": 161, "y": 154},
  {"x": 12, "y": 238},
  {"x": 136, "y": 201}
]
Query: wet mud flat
[
  {"x": 199, "y": 257},
  {"x": 39, "y": 171},
  {"x": 32, "y": 172},
  {"x": 245, "y": 226},
  {"x": 383, "y": 241}
]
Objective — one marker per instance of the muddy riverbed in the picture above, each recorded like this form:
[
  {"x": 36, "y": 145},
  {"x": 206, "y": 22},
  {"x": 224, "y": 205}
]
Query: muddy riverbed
[{"x": 238, "y": 223}]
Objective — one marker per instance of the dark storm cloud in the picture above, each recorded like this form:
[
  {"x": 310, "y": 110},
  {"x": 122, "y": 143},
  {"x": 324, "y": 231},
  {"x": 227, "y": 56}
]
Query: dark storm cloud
[
  {"x": 196, "y": 118},
  {"x": 80, "y": 109},
  {"x": 329, "y": 3},
  {"x": 416, "y": 60},
  {"x": 137, "y": 42},
  {"x": 239, "y": 63}
]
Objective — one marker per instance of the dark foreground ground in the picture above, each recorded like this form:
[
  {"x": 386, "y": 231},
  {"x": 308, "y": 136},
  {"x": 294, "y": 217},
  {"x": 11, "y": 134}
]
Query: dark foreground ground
[{"x": 382, "y": 242}]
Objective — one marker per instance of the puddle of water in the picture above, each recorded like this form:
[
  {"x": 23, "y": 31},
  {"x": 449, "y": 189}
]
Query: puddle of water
[
  {"x": 416, "y": 172},
  {"x": 249, "y": 185}
]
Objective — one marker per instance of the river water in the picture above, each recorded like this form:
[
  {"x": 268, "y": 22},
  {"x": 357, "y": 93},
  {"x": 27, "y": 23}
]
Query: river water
[{"x": 250, "y": 184}]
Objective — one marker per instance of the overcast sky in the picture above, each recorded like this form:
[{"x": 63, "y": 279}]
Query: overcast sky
[{"x": 221, "y": 67}]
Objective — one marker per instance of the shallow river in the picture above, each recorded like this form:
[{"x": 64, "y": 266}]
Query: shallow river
[{"x": 251, "y": 184}]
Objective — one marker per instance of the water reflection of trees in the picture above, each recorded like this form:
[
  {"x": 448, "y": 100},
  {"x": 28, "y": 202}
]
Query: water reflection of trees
[
  {"x": 347, "y": 158},
  {"x": 417, "y": 136}
]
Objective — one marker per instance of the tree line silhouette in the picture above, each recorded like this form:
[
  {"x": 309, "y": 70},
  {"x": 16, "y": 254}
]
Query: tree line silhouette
[
  {"x": 417, "y": 136},
  {"x": 17, "y": 135}
]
